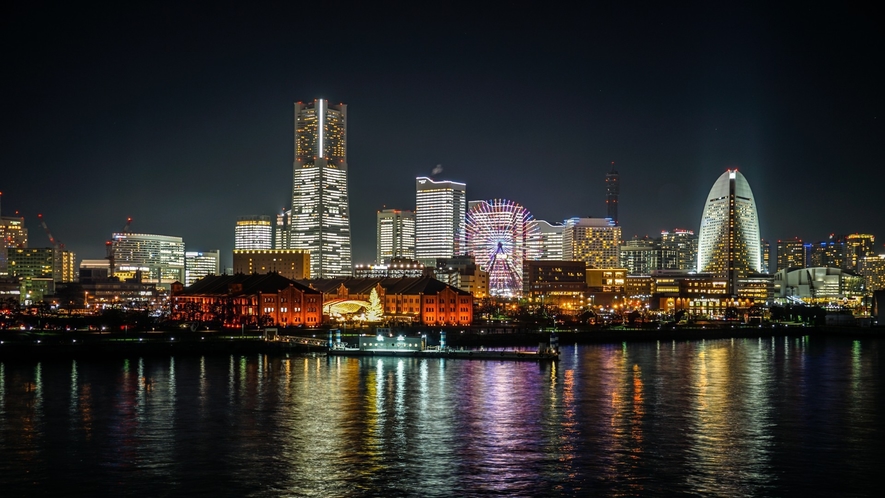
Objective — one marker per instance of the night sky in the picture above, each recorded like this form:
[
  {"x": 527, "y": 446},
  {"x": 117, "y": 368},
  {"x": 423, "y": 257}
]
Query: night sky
[{"x": 182, "y": 117}]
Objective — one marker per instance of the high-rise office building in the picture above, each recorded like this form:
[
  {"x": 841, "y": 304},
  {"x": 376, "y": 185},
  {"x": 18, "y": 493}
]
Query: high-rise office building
[
  {"x": 857, "y": 247},
  {"x": 13, "y": 235},
  {"x": 790, "y": 254},
  {"x": 282, "y": 234},
  {"x": 546, "y": 240},
  {"x": 32, "y": 262},
  {"x": 679, "y": 250},
  {"x": 199, "y": 264},
  {"x": 595, "y": 241},
  {"x": 395, "y": 235},
  {"x": 828, "y": 253},
  {"x": 253, "y": 232},
  {"x": 612, "y": 190},
  {"x": 440, "y": 210},
  {"x": 729, "y": 243},
  {"x": 765, "y": 247},
  {"x": 290, "y": 263},
  {"x": 158, "y": 258},
  {"x": 320, "y": 212},
  {"x": 13, "y": 232},
  {"x": 872, "y": 269},
  {"x": 640, "y": 256}
]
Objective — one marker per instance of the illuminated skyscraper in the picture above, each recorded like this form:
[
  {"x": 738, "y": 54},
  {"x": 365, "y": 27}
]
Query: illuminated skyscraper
[
  {"x": 440, "y": 208},
  {"x": 546, "y": 240},
  {"x": 679, "y": 250},
  {"x": 612, "y": 189},
  {"x": 253, "y": 232},
  {"x": 729, "y": 242},
  {"x": 396, "y": 235},
  {"x": 282, "y": 234},
  {"x": 790, "y": 254},
  {"x": 200, "y": 264},
  {"x": 765, "y": 247},
  {"x": 857, "y": 247},
  {"x": 320, "y": 213},
  {"x": 595, "y": 241},
  {"x": 159, "y": 258}
]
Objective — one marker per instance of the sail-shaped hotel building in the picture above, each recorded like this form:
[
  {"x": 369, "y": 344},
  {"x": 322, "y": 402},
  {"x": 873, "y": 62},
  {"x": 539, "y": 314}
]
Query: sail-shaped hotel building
[{"x": 729, "y": 245}]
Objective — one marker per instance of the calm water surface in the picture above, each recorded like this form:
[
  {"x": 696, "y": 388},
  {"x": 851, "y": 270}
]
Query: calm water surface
[{"x": 744, "y": 417}]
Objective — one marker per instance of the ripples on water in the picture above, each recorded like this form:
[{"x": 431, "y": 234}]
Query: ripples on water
[{"x": 743, "y": 417}]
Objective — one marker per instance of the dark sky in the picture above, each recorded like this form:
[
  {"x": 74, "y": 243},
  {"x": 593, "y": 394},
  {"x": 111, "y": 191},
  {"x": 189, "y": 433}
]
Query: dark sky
[{"x": 182, "y": 117}]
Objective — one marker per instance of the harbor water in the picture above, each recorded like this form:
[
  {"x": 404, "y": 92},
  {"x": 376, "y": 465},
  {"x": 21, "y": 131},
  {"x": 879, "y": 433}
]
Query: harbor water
[{"x": 773, "y": 416}]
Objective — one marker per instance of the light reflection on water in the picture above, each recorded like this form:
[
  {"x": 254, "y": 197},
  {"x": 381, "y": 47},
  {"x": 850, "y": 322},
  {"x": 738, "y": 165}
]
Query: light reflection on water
[{"x": 770, "y": 416}]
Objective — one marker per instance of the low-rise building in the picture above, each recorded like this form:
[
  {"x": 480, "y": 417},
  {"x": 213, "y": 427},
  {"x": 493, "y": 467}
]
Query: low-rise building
[
  {"x": 420, "y": 300},
  {"x": 251, "y": 300},
  {"x": 819, "y": 285},
  {"x": 556, "y": 283}
]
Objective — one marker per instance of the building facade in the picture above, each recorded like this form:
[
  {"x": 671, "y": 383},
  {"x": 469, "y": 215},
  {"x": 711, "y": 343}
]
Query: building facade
[
  {"x": 857, "y": 247},
  {"x": 463, "y": 272},
  {"x": 440, "y": 211},
  {"x": 872, "y": 269},
  {"x": 199, "y": 264},
  {"x": 290, "y": 263},
  {"x": 282, "y": 233},
  {"x": 556, "y": 283},
  {"x": 13, "y": 235},
  {"x": 253, "y": 232},
  {"x": 424, "y": 300},
  {"x": 157, "y": 258},
  {"x": 640, "y": 256},
  {"x": 320, "y": 209},
  {"x": 395, "y": 235},
  {"x": 729, "y": 245},
  {"x": 32, "y": 262},
  {"x": 818, "y": 285},
  {"x": 679, "y": 250},
  {"x": 790, "y": 254},
  {"x": 595, "y": 241},
  {"x": 546, "y": 240},
  {"x": 247, "y": 300}
]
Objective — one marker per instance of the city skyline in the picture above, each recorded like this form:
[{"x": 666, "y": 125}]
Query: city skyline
[{"x": 187, "y": 134}]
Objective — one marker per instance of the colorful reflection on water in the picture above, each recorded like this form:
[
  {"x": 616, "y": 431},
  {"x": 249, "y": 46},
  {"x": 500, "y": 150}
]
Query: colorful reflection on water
[{"x": 770, "y": 416}]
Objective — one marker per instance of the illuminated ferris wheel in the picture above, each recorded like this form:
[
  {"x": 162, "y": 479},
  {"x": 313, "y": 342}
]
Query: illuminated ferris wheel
[{"x": 498, "y": 235}]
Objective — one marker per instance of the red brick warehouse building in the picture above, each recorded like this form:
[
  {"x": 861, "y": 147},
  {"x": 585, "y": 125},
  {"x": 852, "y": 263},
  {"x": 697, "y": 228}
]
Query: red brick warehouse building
[{"x": 235, "y": 300}]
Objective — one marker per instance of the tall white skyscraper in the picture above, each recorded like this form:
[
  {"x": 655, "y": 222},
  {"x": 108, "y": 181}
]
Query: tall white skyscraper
[
  {"x": 253, "y": 232},
  {"x": 320, "y": 213},
  {"x": 440, "y": 208},
  {"x": 396, "y": 235},
  {"x": 728, "y": 243}
]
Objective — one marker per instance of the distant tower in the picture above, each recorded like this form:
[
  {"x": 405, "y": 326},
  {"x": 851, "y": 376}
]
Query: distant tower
[{"x": 612, "y": 189}]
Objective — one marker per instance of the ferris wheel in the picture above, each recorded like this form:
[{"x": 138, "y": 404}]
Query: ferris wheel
[{"x": 498, "y": 235}]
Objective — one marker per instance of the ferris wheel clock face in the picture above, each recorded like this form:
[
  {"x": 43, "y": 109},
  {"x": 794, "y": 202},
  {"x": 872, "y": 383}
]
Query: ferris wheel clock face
[{"x": 498, "y": 236}]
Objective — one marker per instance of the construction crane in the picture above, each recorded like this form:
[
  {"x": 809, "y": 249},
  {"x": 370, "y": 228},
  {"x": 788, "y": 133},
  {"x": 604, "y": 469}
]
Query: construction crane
[
  {"x": 52, "y": 240},
  {"x": 111, "y": 247}
]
